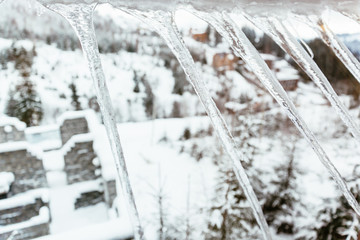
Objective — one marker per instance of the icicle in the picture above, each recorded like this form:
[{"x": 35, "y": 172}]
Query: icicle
[
  {"x": 308, "y": 49},
  {"x": 80, "y": 16},
  {"x": 338, "y": 47},
  {"x": 243, "y": 47},
  {"x": 305, "y": 45},
  {"x": 162, "y": 22},
  {"x": 291, "y": 46}
]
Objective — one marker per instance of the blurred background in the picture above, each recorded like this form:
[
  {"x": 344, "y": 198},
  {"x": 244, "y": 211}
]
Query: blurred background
[{"x": 57, "y": 176}]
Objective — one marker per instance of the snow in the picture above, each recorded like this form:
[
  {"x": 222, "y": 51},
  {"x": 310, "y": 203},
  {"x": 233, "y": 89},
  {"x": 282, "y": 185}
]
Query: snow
[
  {"x": 64, "y": 216},
  {"x": 41, "y": 129},
  {"x": 25, "y": 198},
  {"x": 150, "y": 132},
  {"x": 114, "y": 229},
  {"x": 43, "y": 217},
  {"x": 26, "y": 44},
  {"x": 6, "y": 179},
  {"x": 79, "y": 138},
  {"x": 148, "y": 158},
  {"x": 21, "y": 145},
  {"x": 5, "y": 121},
  {"x": 89, "y": 115},
  {"x": 46, "y": 137}
]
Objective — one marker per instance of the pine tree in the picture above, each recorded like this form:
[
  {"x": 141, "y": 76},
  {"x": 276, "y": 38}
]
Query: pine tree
[
  {"x": 149, "y": 97},
  {"x": 25, "y": 104},
  {"x": 340, "y": 222},
  {"x": 280, "y": 207},
  {"x": 74, "y": 97},
  {"x": 231, "y": 214}
]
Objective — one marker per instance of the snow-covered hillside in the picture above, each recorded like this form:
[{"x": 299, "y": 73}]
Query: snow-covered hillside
[{"x": 182, "y": 179}]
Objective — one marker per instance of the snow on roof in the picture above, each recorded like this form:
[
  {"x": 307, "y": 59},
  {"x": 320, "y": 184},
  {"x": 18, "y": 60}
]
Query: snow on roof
[
  {"x": 281, "y": 64},
  {"x": 43, "y": 217},
  {"x": 267, "y": 56},
  {"x": 27, "y": 44},
  {"x": 89, "y": 115},
  {"x": 5, "y": 43},
  {"x": 287, "y": 73},
  {"x": 6, "y": 179},
  {"x": 5, "y": 120},
  {"x": 89, "y": 186},
  {"x": 21, "y": 145},
  {"x": 186, "y": 21},
  {"x": 79, "y": 138},
  {"x": 41, "y": 129},
  {"x": 25, "y": 198},
  {"x": 114, "y": 229},
  {"x": 284, "y": 76}
]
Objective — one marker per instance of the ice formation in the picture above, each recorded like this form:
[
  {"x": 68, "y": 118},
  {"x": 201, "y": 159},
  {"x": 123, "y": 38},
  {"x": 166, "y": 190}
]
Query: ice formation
[
  {"x": 158, "y": 14},
  {"x": 277, "y": 30},
  {"x": 80, "y": 16}
]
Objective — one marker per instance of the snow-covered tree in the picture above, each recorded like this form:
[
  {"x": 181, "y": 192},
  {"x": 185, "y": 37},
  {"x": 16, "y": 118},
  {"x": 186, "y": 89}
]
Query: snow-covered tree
[
  {"x": 74, "y": 97},
  {"x": 339, "y": 221},
  {"x": 25, "y": 104},
  {"x": 282, "y": 204},
  {"x": 231, "y": 214}
]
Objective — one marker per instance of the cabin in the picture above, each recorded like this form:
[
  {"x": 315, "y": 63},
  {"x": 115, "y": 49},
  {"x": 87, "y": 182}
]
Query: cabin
[{"x": 224, "y": 61}]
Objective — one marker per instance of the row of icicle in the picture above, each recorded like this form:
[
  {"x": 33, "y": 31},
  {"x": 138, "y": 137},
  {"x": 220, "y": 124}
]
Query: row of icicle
[{"x": 80, "y": 16}]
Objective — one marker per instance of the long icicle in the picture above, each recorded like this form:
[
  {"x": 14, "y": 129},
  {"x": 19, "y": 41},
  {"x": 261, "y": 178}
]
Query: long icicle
[
  {"x": 338, "y": 47},
  {"x": 291, "y": 46},
  {"x": 162, "y": 22},
  {"x": 243, "y": 47},
  {"x": 80, "y": 16}
]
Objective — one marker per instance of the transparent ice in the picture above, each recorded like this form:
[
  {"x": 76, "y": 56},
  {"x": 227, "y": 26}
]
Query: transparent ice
[
  {"x": 162, "y": 22},
  {"x": 79, "y": 13},
  {"x": 80, "y": 16},
  {"x": 243, "y": 47},
  {"x": 282, "y": 36}
]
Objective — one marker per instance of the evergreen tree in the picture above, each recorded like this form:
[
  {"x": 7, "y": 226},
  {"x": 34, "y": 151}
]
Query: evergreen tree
[
  {"x": 74, "y": 97},
  {"x": 280, "y": 207},
  {"x": 149, "y": 97},
  {"x": 231, "y": 214},
  {"x": 25, "y": 104},
  {"x": 340, "y": 222}
]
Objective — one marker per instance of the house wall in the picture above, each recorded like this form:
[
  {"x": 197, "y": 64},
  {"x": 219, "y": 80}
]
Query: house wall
[
  {"x": 29, "y": 232},
  {"x": 80, "y": 165},
  {"x": 11, "y": 136},
  {"x": 110, "y": 192},
  {"x": 71, "y": 127},
  {"x": 89, "y": 199},
  {"x": 224, "y": 61},
  {"x": 28, "y": 171},
  {"x": 21, "y": 213}
]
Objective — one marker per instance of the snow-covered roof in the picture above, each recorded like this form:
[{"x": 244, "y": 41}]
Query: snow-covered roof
[
  {"x": 89, "y": 115},
  {"x": 41, "y": 129},
  {"x": 5, "y": 120},
  {"x": 27, "y": 44},
  {"x": 267, "y": 56},
  {"x": 25, "y": 198},
  {"x": 6, "y": 179},
  {"x": 43, "y": 217},
  {"x": 86, "y": 137},
  {"x": 284, "y": 76},
  {"x": 89, "y": 186},
  {"x": 281, "y": 64},
  {"x": 21, "y": 145}
]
